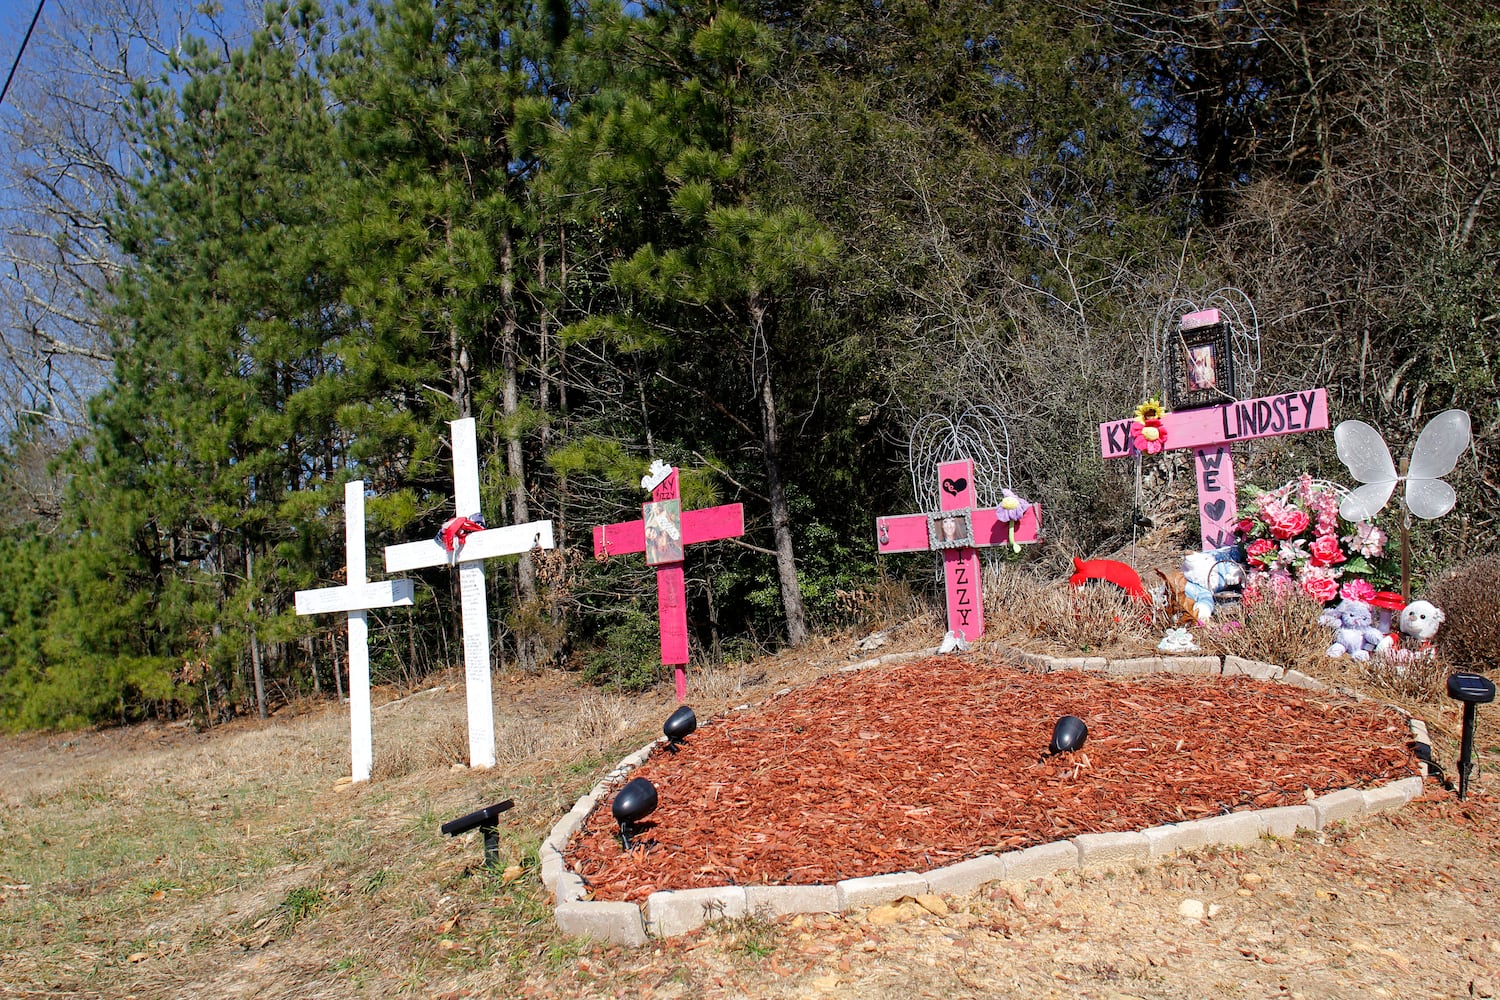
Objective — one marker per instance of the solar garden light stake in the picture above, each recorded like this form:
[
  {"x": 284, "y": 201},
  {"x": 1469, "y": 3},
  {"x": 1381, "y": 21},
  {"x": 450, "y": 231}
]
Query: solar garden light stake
[
  {"x": 679, "y": 726},
  {"x": 635, "y": 802},
  {"x": 1068, "y": 735},
  {"x": 1473, "y": 690},
  {"x": 485, "y": 820}
]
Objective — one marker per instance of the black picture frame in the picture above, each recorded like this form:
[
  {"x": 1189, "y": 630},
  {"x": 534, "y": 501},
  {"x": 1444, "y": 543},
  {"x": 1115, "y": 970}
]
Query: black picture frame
[{"x": 1200, "y": 368}]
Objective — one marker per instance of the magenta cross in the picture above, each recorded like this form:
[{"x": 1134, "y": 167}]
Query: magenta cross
[
  {"x": 1209, "y": 431},
  {"x": 662, "y": 533},
  {"x": 955, "y": 530}
]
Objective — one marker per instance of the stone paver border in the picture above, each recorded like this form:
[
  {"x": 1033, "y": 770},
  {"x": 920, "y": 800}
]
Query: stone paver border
[{"x": 668, "y": 913}]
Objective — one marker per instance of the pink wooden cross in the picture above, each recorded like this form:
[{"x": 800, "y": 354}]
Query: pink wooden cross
[
  {"x": 955, "y": 530},
  {"x": 1209, "y": 431},
  {"x": 662, "y": 533}
]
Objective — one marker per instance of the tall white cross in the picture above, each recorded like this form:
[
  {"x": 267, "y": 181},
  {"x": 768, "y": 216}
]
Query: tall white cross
[
  {"x": 477, "y": 547},
  {"x": 357, "y": 597}
]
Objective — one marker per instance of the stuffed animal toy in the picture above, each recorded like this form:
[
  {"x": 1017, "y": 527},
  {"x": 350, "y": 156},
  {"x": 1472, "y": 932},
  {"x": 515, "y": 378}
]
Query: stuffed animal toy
[
  {"x": 1354, "y": 630},
  {"x": 1204, "y": 574},
  {"x": 1420, "y": 621}
]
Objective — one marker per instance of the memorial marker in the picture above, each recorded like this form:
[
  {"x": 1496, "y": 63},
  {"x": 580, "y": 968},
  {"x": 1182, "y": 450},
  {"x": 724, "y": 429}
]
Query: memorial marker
[
  {"x": 956, "y": 530},
  {"x": 1209, "y": 430},
  {"x": 663, "y": 533},
  {"x": 357, "y": 597},
  {"x": 476, "y": 547}
]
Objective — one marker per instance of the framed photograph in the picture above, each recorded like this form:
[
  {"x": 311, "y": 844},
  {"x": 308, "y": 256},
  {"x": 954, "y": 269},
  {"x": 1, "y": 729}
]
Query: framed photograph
[
  {"x": 1200, "y": 367},
  {"x": 663, "y": 531},
  {"x": 950, "y": 529}
]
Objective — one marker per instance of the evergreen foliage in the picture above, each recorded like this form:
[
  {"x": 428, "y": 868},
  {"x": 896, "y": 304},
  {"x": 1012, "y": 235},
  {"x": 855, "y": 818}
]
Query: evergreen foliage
[{"x": 755, "y": 240}]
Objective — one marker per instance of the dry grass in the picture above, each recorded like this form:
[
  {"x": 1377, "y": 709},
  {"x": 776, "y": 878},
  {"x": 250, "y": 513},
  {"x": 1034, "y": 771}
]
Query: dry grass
[
  {"x": 1284, "y": 631},
  {"x": 1052, "y": 616},
  {"x": 1410, "y": 679}
]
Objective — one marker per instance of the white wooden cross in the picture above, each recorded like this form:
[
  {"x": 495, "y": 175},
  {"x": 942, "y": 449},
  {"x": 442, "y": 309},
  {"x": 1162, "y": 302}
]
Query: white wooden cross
[
  {"x": 356, "y": 597},
  {"x": 477, "y": 547}
]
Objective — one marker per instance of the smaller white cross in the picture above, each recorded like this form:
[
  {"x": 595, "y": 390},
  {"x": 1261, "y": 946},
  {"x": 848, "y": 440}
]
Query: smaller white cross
[
  {"x": 477, "y": 547},
  {"x": 357, "y": 597}
]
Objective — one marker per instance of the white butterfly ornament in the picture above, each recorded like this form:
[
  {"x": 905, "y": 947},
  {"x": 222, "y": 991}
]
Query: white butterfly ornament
[{"x": 1363, "y": 451}]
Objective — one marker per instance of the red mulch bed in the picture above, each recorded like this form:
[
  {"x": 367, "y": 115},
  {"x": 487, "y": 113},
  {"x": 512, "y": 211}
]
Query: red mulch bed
[{"x": 921, "y": 765}]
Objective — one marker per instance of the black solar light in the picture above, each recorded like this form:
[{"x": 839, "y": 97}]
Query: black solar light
[
  {"x": 635, "y": 802},
  {"x": 679, "y": 726},
  {"x": 488, "y": 828},
  {"x": 1068, "y": 735},
  {"x": 1473, "y": 690}
]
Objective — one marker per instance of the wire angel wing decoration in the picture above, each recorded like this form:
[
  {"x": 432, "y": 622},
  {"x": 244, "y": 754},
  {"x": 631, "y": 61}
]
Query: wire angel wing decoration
[{"x": 1364, "y": 452}]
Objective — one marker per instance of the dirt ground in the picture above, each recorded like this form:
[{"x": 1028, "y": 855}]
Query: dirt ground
[{"x": 159, "y": 862}]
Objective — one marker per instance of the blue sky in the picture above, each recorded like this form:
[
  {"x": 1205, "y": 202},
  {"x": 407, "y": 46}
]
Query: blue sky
[{"x": 15, "y": 15}]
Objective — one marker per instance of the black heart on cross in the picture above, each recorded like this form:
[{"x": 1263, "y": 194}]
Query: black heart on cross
[
  {"x": 1214, "y": 509},
  {"x": 953, "y": 487}
]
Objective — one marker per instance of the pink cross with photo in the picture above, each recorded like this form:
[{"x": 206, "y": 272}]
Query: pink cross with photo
[
  {"x": 663, "y": 533},
  {"x": 957, "y": 529}
]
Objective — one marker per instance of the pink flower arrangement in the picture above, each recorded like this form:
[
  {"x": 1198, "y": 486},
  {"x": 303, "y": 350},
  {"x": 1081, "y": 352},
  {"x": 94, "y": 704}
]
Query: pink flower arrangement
[
  {"x": 1295, "y": 539},
  {"x": 1148, "y": 436}
]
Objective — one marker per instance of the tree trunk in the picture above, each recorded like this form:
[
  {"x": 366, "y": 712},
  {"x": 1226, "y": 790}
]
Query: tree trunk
[
  {"x": 255, "y": 666},
  {"x": 781, "y": 518},
  {"x": 510, "y": 400}
]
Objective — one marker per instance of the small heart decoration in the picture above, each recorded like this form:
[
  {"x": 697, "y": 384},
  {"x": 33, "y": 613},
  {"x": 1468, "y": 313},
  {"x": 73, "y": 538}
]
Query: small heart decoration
[
  {"x": 953, "y": 487},
  {"x": 1214, "y": 509}
]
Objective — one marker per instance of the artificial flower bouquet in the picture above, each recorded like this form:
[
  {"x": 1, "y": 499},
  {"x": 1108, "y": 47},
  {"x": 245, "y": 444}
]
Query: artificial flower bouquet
[{"x": 1295, "y": 538}]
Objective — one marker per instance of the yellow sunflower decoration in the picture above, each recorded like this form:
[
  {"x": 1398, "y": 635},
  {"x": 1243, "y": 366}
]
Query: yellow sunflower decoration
[{"x": 1151, "y": 409}]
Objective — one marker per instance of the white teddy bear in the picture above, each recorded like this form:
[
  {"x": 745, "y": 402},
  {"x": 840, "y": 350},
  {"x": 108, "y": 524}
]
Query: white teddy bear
[{"x": 1420, "y": 620}]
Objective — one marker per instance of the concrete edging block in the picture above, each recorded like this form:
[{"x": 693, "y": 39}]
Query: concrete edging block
[
  {"x": 1241, "y": 829},
  {"x": 1206, "y": 666},
  {"x": 1285, "y": 821},
  {"x": 1041, "y": 861},
  {"x": 876, "y": 889},
  {"x": 1391, "y": 796},
  {"x": 1297, "y": 678},
  {"x": 568, "y": 888},
  {"x": 1170, "y": 838},
  {"x": 613, "y": 923},
  {"x": 553, "y": 865},
  {"x": 1100, "y": 849},
  {"x": 1134, "y": 667},
  {"x": 966, "y": 876},
  {"x": 1346, "y": 803},
  {"x": 678, "y": 911},
  {"x": 1235, "y": 666},
  {"x": 783, "y": 900}
]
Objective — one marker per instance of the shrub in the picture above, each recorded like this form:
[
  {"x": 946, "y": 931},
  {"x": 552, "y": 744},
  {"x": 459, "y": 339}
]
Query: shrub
[
  {"x": 1469, "y": 595},
  {"x": 1283, "y": 630}
]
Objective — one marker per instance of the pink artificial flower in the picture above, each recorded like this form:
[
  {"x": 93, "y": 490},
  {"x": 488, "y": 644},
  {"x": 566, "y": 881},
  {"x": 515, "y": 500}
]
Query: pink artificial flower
[
  {"x": 1326, "y": 551},
  {"x": 1358, "y": 590},
  {"x": 1148, "y": 436},
  {"x": 1293, "y": 552},
  {"x": 1245, "y": 525},
  {"x": 1256, "y": 550},
  {"x": 1319, "y": 588},
  {"x": 1366, "y": 539},
  {"x": 1291, "y": 524}
]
